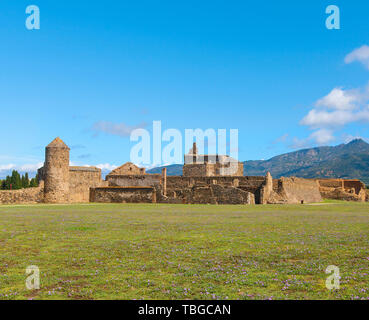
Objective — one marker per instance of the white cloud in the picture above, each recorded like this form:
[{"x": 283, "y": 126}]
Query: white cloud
[
  {"x": 5, "y": 167},
  {"x": 317, "y": 118},
  {"x": 102, "y": 166},
  {"x": 30, "y": 167},
  {"x": 322, "y": 118},
  {"x": 318, "y": 137},
  {"x": 322, "y": 136},
  {"x": 335, "y": 110},
  {"x": 118, "y": 129},
  {"x": 22, "y": 168},
  {"x": 106, "y": 166},
  {"x": 340, "y": 99},
  {"x": 360, "y": 54}
]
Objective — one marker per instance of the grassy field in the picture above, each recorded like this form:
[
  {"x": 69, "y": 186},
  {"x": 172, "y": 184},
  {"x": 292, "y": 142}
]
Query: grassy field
[{"x": 144, "y": 251}]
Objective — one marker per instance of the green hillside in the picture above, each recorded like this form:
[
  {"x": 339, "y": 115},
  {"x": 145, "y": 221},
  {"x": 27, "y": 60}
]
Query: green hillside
[{"x": 348, "y": 161}]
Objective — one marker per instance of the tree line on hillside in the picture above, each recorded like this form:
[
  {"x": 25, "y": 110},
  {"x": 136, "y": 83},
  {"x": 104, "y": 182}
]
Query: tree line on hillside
[{"x": 17, "y": 181}]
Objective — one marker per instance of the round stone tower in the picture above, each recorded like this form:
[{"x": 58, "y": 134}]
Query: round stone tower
[{"x": 56, "y": 172}]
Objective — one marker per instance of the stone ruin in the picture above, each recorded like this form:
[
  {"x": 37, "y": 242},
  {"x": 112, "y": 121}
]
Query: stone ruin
[
  {"x": 340, "y": 189},
  {"x": 210, "y": 165},
  {"x": 203, "y": 182}
]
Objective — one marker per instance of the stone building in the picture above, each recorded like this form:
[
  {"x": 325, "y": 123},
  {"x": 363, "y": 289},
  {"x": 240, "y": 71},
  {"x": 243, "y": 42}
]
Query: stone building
[
  {"x": 64, "y": 183},
  {"x": 128, "y": 169},
  {"x": 342, "y": 189},
  {"x": 196, "y": 165},
  {"x": 206, "y": 179},
  {"x": 56, "y": 172}
]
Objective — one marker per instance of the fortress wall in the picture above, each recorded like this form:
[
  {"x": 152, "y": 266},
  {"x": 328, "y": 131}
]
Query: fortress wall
[
  {"x": 356, "y": 184},
  {"x": 340, "y": 189},
  {"x": 147, "y": 180},
  {"x": 209, "y": 194},
  {"x": 41, "y": 173},
  {"x": 339, "y": 194},
  {"x": 217, "y": 194},
  {"x": 190, "y": 170},
  {"x": 209, "y": 169},
  {"x": 123, "y": 195},
  {"x": 242, "y": 181},
  {"x": 176, "y": 183},
  {"x": 242, "y": 185},
  {"x": 297, "y": 190},
  {"x": 331, "y": 183},
  {"x": 22, "y": 196},
  {"x": 81, "y": 179},
  {"x": 275, "y": 184},
  {"x": 237, "y": 169},
  {"x": 240, "y": 169}
]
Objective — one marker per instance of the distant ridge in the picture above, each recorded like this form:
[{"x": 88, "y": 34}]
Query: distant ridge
[
  {"x": 346, "y": 161},
  {"x": 172, "y": 170}
]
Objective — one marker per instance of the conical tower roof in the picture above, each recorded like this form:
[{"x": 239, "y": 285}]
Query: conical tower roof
[{"x": 57, "y": 143}]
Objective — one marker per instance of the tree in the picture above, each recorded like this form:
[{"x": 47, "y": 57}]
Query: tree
[
  {"x": 25, "y": 181},
  {"x": 16, "y": 181},
  {"x": 8, "y": 182},
  {"x": 34, "y": 182}
]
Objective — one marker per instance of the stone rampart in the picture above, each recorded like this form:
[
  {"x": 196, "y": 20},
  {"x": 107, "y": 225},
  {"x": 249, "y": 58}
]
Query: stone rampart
[
  {"x": 123, "y": 195},
  {"x": 22, "y": 196}
]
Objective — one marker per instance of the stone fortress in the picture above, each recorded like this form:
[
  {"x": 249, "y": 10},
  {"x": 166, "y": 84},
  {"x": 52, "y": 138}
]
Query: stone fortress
[{"x": 206, "y": 179}]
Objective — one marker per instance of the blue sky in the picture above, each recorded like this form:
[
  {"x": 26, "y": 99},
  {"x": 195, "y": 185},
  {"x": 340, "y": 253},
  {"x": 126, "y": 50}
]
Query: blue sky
[{"x": 270, "y": 69}]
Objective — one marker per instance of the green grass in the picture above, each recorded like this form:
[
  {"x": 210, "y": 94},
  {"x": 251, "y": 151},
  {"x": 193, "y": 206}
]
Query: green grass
[{"x": 145, "y": 251}]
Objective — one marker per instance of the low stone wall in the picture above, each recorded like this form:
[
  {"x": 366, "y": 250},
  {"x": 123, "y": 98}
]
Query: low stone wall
[
  {"x": 354, "y": 184},
  {"x": 147, "y": 180},
  {"x": 222, "y": 195},
  {"x": 346, "y": 184},
  {"x": 174, "y": 182},
  {"x": 123, "y": 195},
  {"x": 342, "y": 189},
  {"x": 331, "y": 183},
  {"x": 22, "y": 196},
  {"x": 212, "y": 194},
  {"x": 339, "y": 194}
]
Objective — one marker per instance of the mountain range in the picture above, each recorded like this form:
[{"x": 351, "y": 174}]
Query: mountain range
[{"x": 347, "y": 161}]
